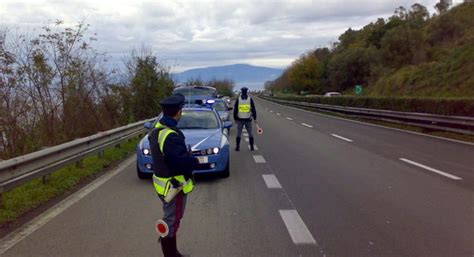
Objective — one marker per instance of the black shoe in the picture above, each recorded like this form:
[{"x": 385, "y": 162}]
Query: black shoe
[
  {"x": 251, "y": 143},
  {"x": 168, "y": 246},
  {"x": 237, "y": 144}
]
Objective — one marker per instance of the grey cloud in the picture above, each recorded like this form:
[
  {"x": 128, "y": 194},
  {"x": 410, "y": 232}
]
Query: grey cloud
[{"x": 204, "y": 33}]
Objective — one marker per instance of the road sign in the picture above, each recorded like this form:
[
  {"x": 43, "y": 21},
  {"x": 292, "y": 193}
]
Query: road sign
[{"x": 358, "y": 89}]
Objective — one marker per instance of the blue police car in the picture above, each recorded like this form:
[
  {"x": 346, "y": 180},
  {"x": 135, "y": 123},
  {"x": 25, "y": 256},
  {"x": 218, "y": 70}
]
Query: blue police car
[{"x": 206, "y": 134}]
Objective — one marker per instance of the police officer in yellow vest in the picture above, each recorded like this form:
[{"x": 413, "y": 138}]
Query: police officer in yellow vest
[
  {"x": 244, "y": 111},
  {"x": 173, "y": 166}
]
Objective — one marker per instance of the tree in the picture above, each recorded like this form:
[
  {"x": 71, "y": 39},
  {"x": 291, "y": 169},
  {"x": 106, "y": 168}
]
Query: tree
[
  {"x": 350, "y": 68},
  {"x": 305, "y": 74},
  {"x": 443, "y": 6},
  {"x": 223, "y": 87},
  {"x": 151, "y": 83},
  {"x": 401, "y": 46}
]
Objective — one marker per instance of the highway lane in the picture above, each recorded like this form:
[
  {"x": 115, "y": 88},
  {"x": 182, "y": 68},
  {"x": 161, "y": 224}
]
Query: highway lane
[
  {"x": 358, "y": 198},
  {"x": 443, "y": 155},
  {"x": 238, "y": 216}
]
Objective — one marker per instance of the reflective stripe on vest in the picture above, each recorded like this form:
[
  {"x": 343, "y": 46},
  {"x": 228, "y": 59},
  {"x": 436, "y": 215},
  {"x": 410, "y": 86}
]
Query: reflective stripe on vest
[
  {"x": 244, "y": 108},
  {"x": 162, "y": 185}
]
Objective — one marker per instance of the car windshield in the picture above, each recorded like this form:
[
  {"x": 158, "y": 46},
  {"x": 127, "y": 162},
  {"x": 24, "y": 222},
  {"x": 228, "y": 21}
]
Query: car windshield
[
  {"x": 193, "y": 119},
  {"x": 220, "y": 106},
  {"x": 186, "y": 91}
]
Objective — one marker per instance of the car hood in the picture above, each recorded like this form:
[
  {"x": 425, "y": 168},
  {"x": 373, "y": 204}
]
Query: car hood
[
  {"x": 203, "y": 138},
  {"x": 197, "y": 138}
]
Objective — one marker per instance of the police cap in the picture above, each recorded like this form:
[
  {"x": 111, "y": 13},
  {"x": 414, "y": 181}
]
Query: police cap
[
  {"x": 175, "y": 101},
  {"x": 244, "y": 89}
]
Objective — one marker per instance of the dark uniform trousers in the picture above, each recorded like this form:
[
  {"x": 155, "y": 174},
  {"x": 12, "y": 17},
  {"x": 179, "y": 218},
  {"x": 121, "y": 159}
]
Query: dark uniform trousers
[{"x": 173, "y": 212}]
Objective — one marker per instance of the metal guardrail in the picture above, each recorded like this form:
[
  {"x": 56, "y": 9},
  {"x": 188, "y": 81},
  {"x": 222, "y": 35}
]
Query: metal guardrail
[
  {"x": 19, "y": 170},
  {"x": 457, "y": 124}
]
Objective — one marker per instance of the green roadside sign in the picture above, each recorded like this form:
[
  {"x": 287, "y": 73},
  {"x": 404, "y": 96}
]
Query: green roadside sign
[{"x": 358, "y": 89}]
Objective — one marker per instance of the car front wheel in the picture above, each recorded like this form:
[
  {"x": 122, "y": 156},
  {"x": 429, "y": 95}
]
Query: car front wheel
[{"x": 142, "y": 175}]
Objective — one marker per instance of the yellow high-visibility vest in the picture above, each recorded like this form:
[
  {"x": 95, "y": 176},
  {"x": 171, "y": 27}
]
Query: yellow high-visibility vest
[
  {"x": 163, "y": 185},
  {"x": 244, "y": 108}
]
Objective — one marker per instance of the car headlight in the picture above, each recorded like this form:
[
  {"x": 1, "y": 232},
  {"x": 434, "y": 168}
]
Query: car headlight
[
  {"x": 146, "y": 151},
  {"x": 209, "y": 151}
]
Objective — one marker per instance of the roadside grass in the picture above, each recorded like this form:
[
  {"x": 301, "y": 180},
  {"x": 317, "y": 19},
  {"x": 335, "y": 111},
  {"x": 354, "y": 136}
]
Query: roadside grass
[{"x": 34, "y": 193}]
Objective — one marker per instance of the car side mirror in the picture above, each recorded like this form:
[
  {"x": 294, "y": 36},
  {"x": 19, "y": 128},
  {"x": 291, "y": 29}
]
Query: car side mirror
[
  {"x": 227, "y": 124},
  {"x": 148, "y": 125}
]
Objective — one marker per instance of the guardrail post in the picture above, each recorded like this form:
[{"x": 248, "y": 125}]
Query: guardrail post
[
  {"x": 100, "y": 155},
  {"x": 117, "y": 146},
  {"x": 1, "y": 201},
  {"x": 46, "y": 178}
]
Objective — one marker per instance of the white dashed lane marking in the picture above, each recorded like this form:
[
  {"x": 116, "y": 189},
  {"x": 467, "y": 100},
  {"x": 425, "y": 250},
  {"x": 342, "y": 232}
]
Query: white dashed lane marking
[
  {"x": 298, "y": 231},
  {"x": 246, "y": 139},
  {"x": 278, "y": 114},
  {"x": 288, "y": 118},
  {"x": 254, "y": 147},
  {"x": 442, "y": 173},
  {"x": 271, "y": 181},
  {"x": 259, "y": 159},
  {"x": 306, "y": 125},
  {"x": 343, "y": 138}
]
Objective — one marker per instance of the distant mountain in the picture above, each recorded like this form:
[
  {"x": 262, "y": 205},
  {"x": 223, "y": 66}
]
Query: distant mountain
[{"x": 242, "y": 74}]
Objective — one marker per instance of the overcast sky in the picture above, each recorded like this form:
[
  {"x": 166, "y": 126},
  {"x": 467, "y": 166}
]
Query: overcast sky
[{"x": 190, "y": 34}]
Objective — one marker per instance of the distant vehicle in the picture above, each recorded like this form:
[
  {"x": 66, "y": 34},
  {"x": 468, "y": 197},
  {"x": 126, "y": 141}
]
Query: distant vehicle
[
  {"x": 332, "y": 94},
  {"x": 204, "y": 131},
  {"x": 227, "y": 100},
  {"x": 192, "y": 93},
  {"x": 222, "y": 109}
]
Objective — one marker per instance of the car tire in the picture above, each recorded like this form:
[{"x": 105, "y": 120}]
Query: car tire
[
  {"x": 226, "y": 172},
  {"x": 142, "y": 175}
]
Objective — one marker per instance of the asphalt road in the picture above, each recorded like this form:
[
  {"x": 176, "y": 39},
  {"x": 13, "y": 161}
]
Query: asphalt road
[{"x": 316, "y": 186}]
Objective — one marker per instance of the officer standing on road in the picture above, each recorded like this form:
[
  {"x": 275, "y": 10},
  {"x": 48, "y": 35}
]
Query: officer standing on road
[
  {"x": 244, "y": 111},
  {"x": 173, "y": 167}
]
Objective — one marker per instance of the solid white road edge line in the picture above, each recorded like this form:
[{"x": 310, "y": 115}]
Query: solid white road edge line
[
  {"x": 259, "y": 159},
  {"x": 306, "y": 125},
  {"x": 271, "y": 181},
  {"x": 442, "y": 173},
  {"x": 343, "y": 138},
  {"x": 373, "y": 125},
  {"x": 15, "y": 237},
  {"x": 298, "y": 231},
  {"x": 288, "y": 118}
]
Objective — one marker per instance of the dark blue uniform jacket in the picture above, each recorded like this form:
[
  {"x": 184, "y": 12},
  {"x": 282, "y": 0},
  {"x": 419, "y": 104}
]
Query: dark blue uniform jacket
[{"x": 175, "y": 160}]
